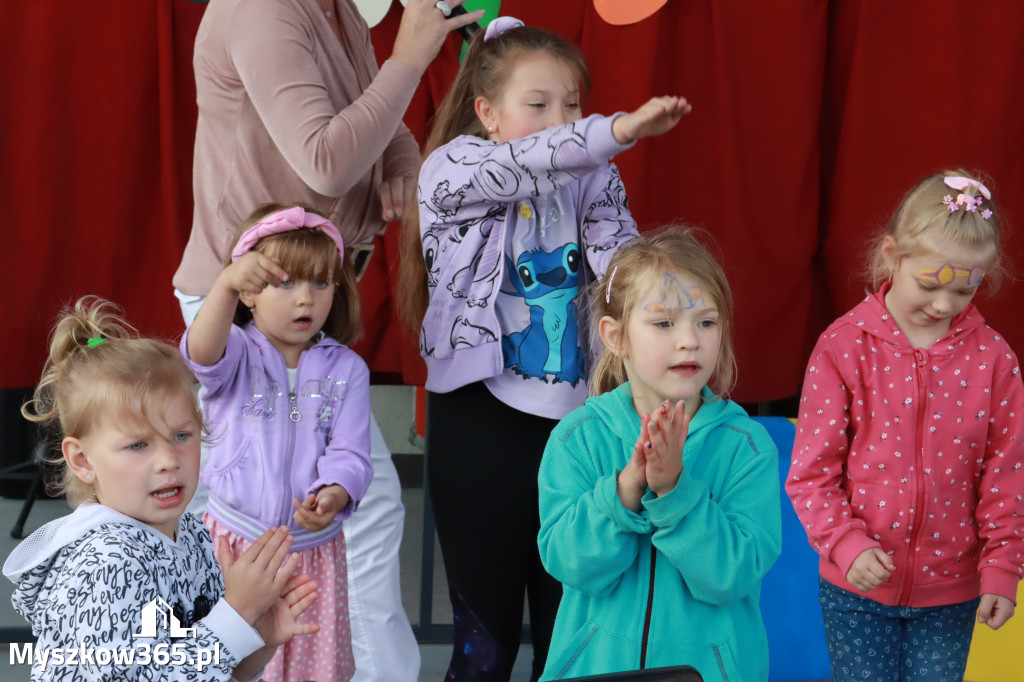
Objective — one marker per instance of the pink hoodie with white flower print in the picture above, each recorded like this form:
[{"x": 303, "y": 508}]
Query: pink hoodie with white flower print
[{"x": 917, "y": 451}]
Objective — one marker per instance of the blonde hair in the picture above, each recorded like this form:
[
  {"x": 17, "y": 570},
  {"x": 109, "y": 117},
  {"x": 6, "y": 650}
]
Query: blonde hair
[
  {"x": 924, "y": 208},
  {"x": 676, "y": 248},
  {"x": 99, "y": 365},
  {"x": 484, "y": 72},
  {"x": 306, "y": 253}
]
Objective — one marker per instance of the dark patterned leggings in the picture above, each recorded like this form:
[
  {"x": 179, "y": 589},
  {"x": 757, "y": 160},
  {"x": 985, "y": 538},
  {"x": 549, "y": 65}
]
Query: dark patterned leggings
[
  {"x": 872, "y": 642},
  {"x": 482, "y": 462}
]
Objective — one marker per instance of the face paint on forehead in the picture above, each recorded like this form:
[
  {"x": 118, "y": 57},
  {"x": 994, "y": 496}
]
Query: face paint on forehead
[
  {"x": 947, "y": 272},
  {"x": 676, "y": 296}
]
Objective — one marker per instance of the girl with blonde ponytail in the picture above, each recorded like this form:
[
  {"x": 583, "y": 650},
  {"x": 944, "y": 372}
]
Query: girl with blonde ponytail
[{"x": 130, "y": 429}]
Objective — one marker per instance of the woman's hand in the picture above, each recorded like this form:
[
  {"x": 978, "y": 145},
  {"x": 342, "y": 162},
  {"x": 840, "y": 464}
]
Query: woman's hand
[
  {"x": 870, "y": 569},
  {"x": 668, "y": 429},
  {"x": 658, "y": 115},
  {"x": 256, "y": 580},
  {"x": 317, "y": 512},
  {"x": 397, "y": 196},
  {"x": 423, "y": 31}
]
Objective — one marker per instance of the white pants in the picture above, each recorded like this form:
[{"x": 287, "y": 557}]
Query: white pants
[{"x": 382, "y": 641}]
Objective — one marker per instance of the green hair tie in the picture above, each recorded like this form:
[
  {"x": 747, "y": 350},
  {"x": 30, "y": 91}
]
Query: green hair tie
[{"x": 95, "y": 342}]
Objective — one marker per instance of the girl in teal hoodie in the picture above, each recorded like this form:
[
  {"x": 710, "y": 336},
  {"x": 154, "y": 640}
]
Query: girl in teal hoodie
[{"x": 660, "y": 548}]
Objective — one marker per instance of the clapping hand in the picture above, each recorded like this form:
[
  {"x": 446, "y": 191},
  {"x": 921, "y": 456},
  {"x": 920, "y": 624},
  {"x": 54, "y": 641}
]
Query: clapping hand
[
  {"x": 257, "y": 579},
  {"x": 632, "y": 480},
  {"x": 667, "y": 428},
  {"x": 279, "y": 623}
]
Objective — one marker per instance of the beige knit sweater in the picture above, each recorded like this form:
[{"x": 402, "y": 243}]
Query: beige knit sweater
[{"x": 288, "y": 113}]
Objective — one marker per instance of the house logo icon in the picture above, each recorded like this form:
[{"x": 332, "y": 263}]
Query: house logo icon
[{"x": 160, "y": 610}]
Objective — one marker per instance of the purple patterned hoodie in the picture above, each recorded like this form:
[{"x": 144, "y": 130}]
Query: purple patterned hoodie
[{"x": 474, "y": 194}]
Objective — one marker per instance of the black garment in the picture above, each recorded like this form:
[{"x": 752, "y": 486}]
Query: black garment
[{"x": 482, "y": 463}]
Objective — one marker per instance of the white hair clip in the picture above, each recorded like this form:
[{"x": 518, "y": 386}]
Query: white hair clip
[{"x": 608, "y": 292}]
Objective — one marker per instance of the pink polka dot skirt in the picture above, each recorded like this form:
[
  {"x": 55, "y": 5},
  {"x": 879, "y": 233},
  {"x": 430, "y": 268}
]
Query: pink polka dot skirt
[{"x": 327, "y": 655}]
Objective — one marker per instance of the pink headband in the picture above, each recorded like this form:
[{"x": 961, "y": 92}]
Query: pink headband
[
  {"x": 282, "y": 221},
  {"x": 500, "y": 25}
]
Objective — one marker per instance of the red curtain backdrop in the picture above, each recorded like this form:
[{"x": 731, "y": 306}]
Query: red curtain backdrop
[
  {"x": 97, "y": 120},
  {"x": 811, "y": 119}
]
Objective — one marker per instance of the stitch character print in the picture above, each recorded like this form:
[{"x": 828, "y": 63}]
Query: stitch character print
[{"x": 548, "y": 283}]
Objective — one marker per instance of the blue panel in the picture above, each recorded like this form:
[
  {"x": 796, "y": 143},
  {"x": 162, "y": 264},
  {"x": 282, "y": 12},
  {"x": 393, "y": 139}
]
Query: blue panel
[{"x": 789, "y": 593}]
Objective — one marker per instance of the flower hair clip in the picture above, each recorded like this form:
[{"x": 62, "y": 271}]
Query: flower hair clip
[{"x": 970, "y": 203}]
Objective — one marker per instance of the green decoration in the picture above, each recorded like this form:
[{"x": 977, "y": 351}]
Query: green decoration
[{"x": 490, "y": 8}]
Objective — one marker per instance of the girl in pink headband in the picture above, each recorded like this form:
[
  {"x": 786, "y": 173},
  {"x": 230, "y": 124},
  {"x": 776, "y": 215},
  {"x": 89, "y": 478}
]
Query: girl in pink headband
[{"x": 289, "y": 405}]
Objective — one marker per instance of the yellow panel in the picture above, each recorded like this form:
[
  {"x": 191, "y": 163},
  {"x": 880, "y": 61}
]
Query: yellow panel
[{"x": 996, "y": 654}]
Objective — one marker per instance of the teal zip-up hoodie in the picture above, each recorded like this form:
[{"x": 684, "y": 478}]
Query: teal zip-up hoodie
[{"x": 711, "y": 540}]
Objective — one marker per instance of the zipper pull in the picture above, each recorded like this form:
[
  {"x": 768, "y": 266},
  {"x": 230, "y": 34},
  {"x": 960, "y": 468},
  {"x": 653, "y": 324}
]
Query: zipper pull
[{"x": 294, "y": 414}]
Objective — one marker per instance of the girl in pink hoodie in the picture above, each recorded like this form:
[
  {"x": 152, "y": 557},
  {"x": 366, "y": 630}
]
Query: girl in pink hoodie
[{"x": 906, "y": 470}]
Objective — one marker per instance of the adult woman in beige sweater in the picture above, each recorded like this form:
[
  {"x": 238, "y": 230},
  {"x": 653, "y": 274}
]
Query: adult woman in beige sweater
[{"x": 292, "y": 108}]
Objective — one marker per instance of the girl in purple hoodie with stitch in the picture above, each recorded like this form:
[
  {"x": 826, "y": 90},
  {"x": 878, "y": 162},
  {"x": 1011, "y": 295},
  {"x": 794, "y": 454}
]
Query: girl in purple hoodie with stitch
[
  {"x": 289, "y": 411},
  {"x": 519, "y": 208}
]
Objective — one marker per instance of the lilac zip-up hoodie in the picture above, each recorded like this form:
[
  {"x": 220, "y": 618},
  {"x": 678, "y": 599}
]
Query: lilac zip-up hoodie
[
  {"x": 473, "y": 194},
  {"x": 271, "y": 445}
]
